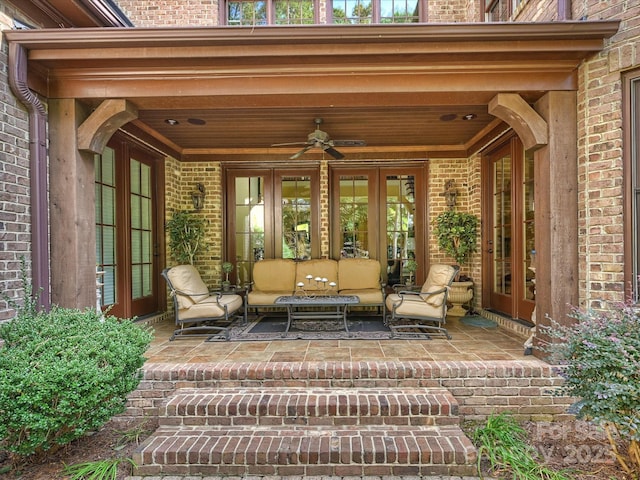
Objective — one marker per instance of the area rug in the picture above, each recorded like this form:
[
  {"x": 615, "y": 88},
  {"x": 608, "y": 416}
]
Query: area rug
[
  {"x": 478, "y": 321},
  {"x": 269, "y": 328}
]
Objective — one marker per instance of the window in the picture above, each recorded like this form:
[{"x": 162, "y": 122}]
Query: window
[
  {"x": 631, "y": 152},
  {"x": 350, "y": 12},
  {"x": 270, "y": 12}
]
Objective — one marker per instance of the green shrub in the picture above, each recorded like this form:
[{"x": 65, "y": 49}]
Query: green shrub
[
  {"x": 64, "y": 373},
  {"x": 601, "y": 358}
]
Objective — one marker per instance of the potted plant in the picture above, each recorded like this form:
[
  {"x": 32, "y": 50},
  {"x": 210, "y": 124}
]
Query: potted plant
[
  {"x": 227, "y": 268},
  {"x": 410, "y": 267},
  {"x": 186, "y": 236},
  {"x": 457, "y": 235}
]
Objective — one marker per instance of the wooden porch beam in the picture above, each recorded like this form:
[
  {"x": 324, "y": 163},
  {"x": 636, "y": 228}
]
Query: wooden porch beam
[
  {"x": 515, "y": 111},
  {"x": 111, "y": 114}
]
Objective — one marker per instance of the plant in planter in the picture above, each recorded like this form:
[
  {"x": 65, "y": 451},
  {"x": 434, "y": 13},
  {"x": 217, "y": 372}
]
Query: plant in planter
[
  {"x": 227, "y": 268},
  {"x": 410, "y": 267},
  {"x": 457, "y": 235},
  {"x": 186, "y": 236}
]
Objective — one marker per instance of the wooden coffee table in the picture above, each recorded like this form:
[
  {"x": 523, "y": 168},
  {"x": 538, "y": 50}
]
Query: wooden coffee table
[{"x": 317, "y": 307}]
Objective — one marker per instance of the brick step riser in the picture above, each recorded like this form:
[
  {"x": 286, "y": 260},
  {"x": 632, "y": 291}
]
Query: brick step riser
[
  {"x": 277, "y": 421},
  {"x": 322, "y": 408},
  {"x": 301, "y": 452}
]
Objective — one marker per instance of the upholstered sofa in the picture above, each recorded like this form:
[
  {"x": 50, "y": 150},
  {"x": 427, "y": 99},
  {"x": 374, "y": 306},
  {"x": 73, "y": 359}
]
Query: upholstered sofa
[{"x": 273, "y": 278}]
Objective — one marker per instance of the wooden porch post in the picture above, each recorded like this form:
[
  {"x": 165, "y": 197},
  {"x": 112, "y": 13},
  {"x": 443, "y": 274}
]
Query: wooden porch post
[
  {"x": 556, "y": 209},
  {"x": 72, "y": 209}
]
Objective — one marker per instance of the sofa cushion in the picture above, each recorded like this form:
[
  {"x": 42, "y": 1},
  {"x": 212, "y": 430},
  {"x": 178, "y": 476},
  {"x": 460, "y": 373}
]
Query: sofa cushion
[
  {"x": 186, "y": 280},
  {"x": 274, "y": 275},
  {"x": 323, "y": 268},
  {"x": 261, "y": 297},
  {"x": 369, "y": 296},
  {"x": 358, "y": 273}
]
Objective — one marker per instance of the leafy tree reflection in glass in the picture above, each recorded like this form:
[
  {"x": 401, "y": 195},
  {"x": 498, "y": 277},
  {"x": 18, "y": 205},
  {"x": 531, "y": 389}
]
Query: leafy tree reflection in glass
[
  {"x": 294, "y": 12},
  {"x": 401, "y": 243},
  {"x": 296, "y": 217},
  {"x": 354, "y": 204},
  {"x": 352, "y": 11},
  {"x": 399, "y": 11},
  {"x": 286, "y": 12},
  {"x": 247, "y": 13}
]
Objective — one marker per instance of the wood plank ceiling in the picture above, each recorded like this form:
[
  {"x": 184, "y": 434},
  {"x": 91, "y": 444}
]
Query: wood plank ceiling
[{"x": 216, "y": 93}]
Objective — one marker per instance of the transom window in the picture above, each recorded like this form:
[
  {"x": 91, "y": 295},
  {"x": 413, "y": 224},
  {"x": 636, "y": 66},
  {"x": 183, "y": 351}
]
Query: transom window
[
  {"x": 304, "y": 12},
  {"x": 270, "y": 12},
  {"x": 352, "y": 12}
]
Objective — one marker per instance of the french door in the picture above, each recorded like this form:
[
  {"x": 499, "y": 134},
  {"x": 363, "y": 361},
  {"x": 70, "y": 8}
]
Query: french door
[
  {"x": 379, "y": 212},
  {"x": 128, "y": 213},
  {"x": 271, "y": 213},
  {"x": 509, "y": 230}
]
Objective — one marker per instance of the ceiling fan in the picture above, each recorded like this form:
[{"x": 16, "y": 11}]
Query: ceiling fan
[{"x": 320, "y": 139}]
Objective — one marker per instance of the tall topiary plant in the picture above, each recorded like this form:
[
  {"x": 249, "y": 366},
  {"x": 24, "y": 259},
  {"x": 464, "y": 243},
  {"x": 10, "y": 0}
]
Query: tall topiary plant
[
  {"x": 186, "y": 236},
  {"x": 457, "y": 234}
]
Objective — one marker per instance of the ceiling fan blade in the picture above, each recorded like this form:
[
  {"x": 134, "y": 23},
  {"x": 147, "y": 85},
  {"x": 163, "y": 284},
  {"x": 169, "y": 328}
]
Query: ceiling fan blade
[
  {"x": 349, "y": 143},
  {"x": 288, "y": 144},
  {"x": 300, "y": 153},
  {"x": 333, "y": 152}
]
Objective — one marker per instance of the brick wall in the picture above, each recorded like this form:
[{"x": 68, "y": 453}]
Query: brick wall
[
  {"x": 180, "y": 181},
  {"x": 159, "y": 13},
  {"x": 447, "y": 11},
  {"x": 163, "y": 13},
  {"x": 600, "y": 156},
  {"x": 15, "y": 218}
]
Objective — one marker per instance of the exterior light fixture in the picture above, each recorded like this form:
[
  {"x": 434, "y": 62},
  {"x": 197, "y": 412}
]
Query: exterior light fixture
[
  {"x": 450, "y": 193},
  {"x": 197, "y": 196},
  {"x": 171, "y": 121},
  {"x": 469, "y": 116}
]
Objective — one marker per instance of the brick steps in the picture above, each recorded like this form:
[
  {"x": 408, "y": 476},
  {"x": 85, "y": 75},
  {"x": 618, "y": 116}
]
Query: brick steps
[{"x": 308, "y": 431}]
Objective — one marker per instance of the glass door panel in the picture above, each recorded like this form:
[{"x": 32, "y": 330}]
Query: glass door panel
[
  {"x": 354, "y": 213},
  {"x": 296, "y": 217},
  {"x": 502, "y": 225},
  {"x": 400, "y": 229},
  {"x": 105, "y": 177},
  {"x": 248, "y": 205},
  {"x": 528, "y": 227}
]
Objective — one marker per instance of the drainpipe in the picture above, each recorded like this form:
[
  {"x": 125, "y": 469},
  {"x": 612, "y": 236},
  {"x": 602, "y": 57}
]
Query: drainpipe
[{"x": 38, "y": 174}]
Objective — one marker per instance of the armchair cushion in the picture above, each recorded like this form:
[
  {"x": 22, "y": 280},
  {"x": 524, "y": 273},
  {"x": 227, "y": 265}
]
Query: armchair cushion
[
  {"x": 212, "y": 306},
  {"x": 439, "y": 278},
  {"x": 411, "y": 306},
  {"x": 189, "y": 286}
]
